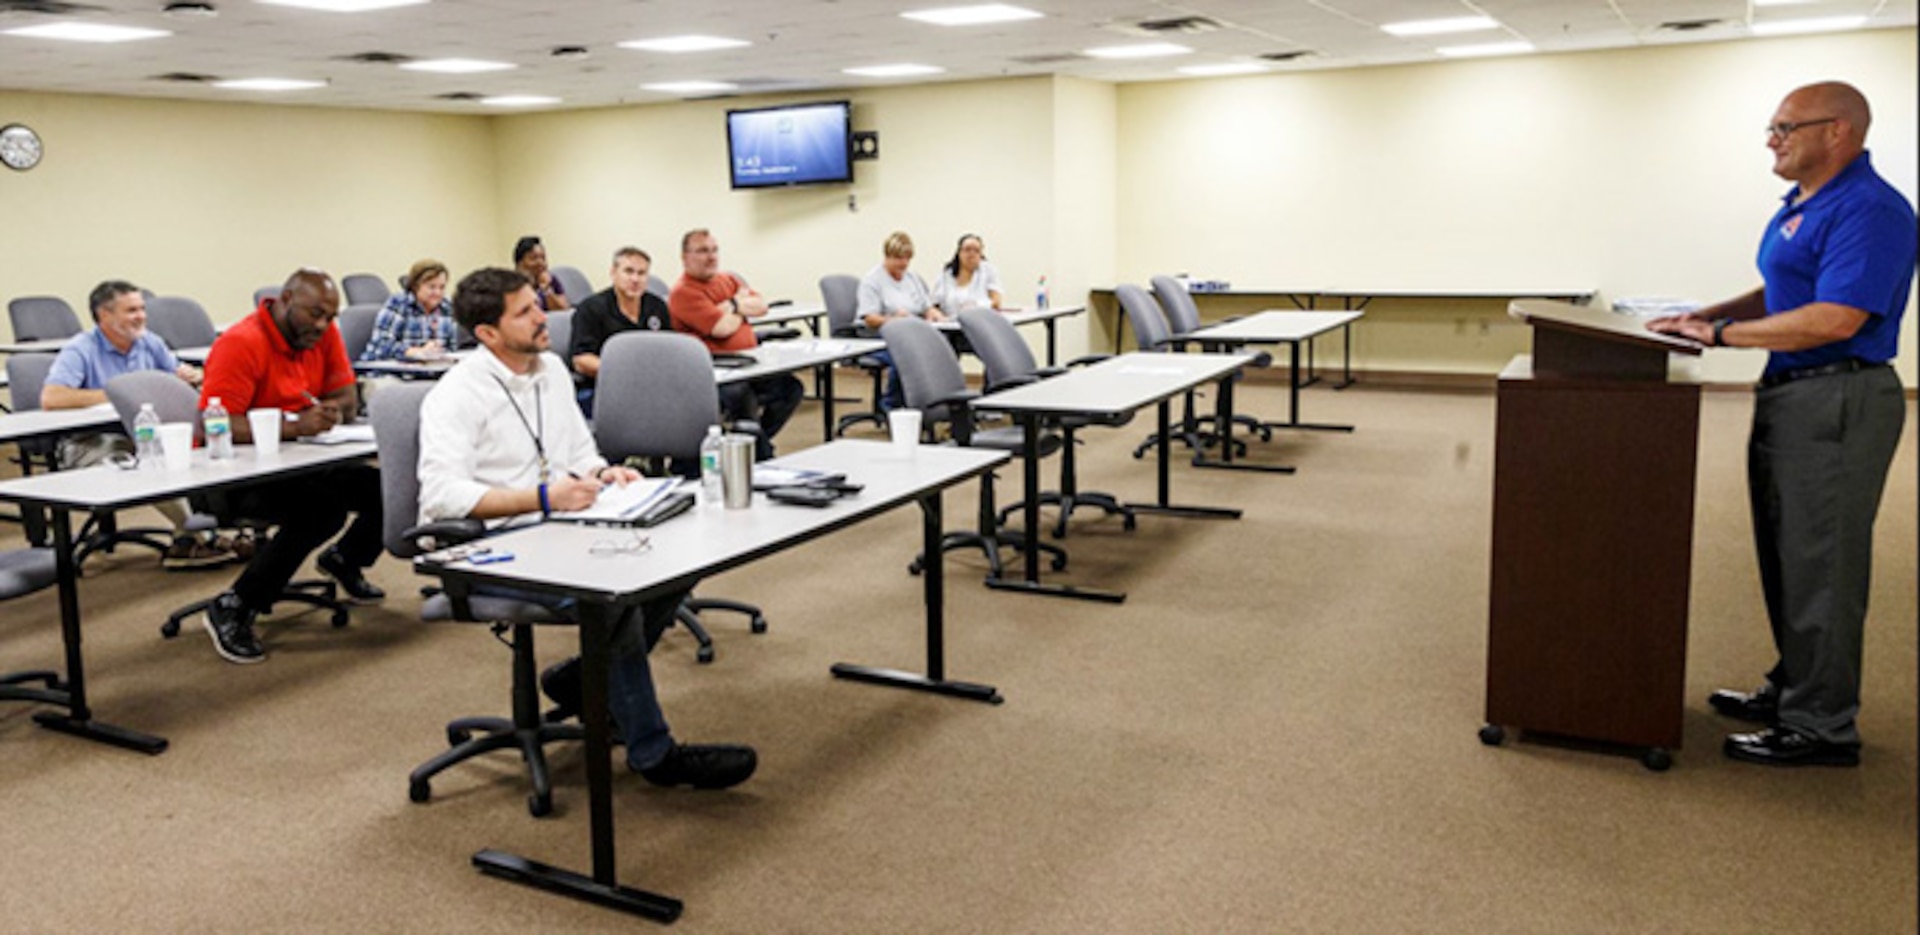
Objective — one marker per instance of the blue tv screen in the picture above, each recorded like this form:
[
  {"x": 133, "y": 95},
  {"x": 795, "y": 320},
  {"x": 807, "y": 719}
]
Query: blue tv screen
[{"x": 802, "y": 144}]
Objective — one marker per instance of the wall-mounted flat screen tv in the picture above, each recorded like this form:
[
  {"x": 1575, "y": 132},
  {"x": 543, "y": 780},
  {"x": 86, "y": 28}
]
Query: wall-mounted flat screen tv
[{"x": 799, "y": 144}]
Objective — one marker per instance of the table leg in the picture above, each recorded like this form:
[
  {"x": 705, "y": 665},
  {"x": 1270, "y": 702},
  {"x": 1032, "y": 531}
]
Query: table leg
[
  {"x": 1163, "y": 505},
  {"x": 933, "y": 579},
  {"x": 1293, "y": 401},
  {"x": 603, "y": 888},
  {"x": 1223, "y": 415},
  {"x": 1346, "y": 358},
  {"x": 78, "y": 719},
  {"x": 1052, "y": 345},
  {"x": 823, "y": 386},
  {"x": 1030, "y": 513}
]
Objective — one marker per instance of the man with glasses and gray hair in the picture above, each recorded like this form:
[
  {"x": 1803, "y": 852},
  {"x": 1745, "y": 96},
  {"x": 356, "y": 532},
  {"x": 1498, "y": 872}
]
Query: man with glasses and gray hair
[{"x": 1837, "y": 261}]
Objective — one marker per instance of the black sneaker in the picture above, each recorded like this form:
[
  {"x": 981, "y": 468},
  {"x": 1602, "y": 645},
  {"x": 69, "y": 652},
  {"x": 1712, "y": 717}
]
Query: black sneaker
[
  {"x": 702, "y": 766},
  {"x": 230, "y": 623},
  {"x": 358, "y": 589}
]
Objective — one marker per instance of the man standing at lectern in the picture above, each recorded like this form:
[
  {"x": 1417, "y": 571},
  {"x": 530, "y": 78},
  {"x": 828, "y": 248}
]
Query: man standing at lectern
[{"x": 1838, "y": 262}]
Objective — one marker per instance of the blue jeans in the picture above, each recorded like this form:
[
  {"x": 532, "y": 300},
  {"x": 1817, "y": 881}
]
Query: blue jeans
[
  {"x": 631, "y": 699},
  {"x": 893, "y": 398}
]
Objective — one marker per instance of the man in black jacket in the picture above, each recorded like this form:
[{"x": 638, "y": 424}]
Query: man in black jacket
[{"x": 624, "y": 306}]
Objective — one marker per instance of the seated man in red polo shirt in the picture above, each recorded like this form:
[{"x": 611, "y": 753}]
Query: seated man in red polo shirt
[
  {"x": 288, "y": 355},
  {"x": 717, "y": 308}
]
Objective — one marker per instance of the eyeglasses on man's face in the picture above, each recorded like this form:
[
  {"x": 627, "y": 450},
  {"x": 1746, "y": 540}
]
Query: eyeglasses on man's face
[{"x": 1784, "y": 129}]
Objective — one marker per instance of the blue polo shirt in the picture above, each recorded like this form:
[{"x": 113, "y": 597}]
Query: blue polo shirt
[
  {"x": 90, "y": 360},
  {"x": 1853, "y": 243}
]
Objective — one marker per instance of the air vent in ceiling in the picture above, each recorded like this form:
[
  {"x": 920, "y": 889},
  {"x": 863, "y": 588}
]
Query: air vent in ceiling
[
  {"x": 459, "y": 96},
  {"x": 47, "y": 7},
  {"x": 1181, "y": 25},
  {"x": 1287, "y": 56},
  {"x": 185, "y": 77},
  {"x": 1057, "y": 58},
  {"x": 375, "y": 58},
  {"x": 1689, "y": 25}
]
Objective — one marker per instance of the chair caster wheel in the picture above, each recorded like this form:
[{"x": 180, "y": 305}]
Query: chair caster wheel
[
  {"x": 170, "y": 629},
  {"x": 914, "y": 567},
  {"x": 1059, "y": 563},
  {"x": 758, "y": 624},
  {"x": 419, "y": 791},
  {"x": 1128, "y": 523},
  {"x": 456, "y": 736},
  {"x": 540, "y": 806},
  {"x": 1492, "y": 735},
  {"x": 705, "y": 655},
  {"x": 340, "y": 618},
  {"x": 1657, "y": 759}
]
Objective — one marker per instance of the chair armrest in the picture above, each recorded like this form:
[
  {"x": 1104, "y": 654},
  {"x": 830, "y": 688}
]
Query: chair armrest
[
  {"x": 1083, "y": 361},
  {"x": 442, "y": 533},
  {"x": 959, "y": 413},
  {"x": 1012, "y": 382},
  {"x": 775, "y": 333}
]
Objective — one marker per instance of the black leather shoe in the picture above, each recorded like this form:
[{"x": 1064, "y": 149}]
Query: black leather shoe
[
  {"x": 358, "y": 589},
  {"x": 561, "y": 684},
  {"x": 702, "y": 766},
  {"x": 1783, "y": 746},
  {"x": 1759, "y": 707}
]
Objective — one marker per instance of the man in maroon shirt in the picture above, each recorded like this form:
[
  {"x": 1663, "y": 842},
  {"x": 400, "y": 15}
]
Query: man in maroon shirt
[{"x": 288, "y": 355}]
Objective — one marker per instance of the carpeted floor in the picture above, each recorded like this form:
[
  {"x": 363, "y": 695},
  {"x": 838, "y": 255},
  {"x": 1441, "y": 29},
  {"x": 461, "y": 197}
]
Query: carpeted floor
[{"x": 1276, "y": 732}]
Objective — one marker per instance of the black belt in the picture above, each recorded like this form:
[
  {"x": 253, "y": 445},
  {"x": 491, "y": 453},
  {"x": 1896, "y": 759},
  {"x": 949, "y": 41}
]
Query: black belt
[{"x": 1850, "y": 365}]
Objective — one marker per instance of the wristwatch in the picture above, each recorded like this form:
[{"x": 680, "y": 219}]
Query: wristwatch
[{"x": 1719, "y": 331}]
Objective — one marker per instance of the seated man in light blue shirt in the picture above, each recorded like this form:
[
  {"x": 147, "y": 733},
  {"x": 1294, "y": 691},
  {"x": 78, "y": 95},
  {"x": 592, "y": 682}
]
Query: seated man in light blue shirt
[{"x": 120, "y": 343}]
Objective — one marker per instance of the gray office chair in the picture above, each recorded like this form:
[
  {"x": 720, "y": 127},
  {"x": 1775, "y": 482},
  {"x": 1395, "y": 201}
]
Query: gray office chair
[
  {"x": 1010, "y": 363},
  {"x": 668, "y": 398},
  {"x": 576, "y": 283},
  {"x": 42, "y": 318},
  {"x": 175, "y": 401},
  {"x": 560, "y": 340},
  {"x": 1155, "y": 336},
  {"x": 659, "y": 287},
  {"x": 180, "y": 321},
  {"x": 26, "y": 374},
  {"x": 356, "y": 327},
  {"x": 841, "y": 295},
  {"x": 932, "y": 381},
  {"x": 364, "y": 289},
  {"x": 22, "y": 572},
  {"x": 264, "y": 293},
  {"x": 1183, "y": 318},
  {"x": 396, "y": 430}
]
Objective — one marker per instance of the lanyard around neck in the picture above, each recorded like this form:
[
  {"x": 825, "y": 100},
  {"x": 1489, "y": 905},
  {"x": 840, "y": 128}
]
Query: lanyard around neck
[{"x": 539, "y": 414}]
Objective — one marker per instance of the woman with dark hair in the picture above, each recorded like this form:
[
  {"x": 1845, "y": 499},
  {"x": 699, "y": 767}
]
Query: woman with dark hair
[
  {"x": 530, "y": 258},
  {"x": 417, "y": 322},
  {"x": 968, "y": 280}
]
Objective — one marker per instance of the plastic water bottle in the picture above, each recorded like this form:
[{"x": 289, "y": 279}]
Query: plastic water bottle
[
  {"x": 218, "y": 430},
  {"x": 146, "y": 436},
  {"x": 711, "y": 490},
  {"x": 1040, "y": 299}
]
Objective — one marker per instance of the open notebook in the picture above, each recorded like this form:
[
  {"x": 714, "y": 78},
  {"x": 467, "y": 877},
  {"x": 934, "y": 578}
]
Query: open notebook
[{"x": 622, "y": 506}]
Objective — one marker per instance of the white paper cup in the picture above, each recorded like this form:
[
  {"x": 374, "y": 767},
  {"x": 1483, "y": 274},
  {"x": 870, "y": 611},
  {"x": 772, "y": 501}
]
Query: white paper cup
[
  {"x": 176, "y": 445},
  {"x": 265, "y": 424},
  {"x": 905, "y": 425}
]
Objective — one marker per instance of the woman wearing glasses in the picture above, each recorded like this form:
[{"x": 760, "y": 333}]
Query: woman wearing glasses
[{"x": 968, "y": 280}]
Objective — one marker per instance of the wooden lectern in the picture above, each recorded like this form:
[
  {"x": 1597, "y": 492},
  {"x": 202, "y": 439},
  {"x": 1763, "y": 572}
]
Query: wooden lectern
[{"x": 1592, "y": 533}]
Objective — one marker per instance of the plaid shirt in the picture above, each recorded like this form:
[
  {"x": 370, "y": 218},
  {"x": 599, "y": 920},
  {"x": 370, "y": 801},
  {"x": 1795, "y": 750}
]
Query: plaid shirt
[{"x": 402, "y": 324}]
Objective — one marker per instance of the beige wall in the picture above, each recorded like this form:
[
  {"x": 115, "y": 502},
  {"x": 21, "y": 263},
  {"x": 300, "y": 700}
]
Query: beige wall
[
  {"x": 1085, "y": 171},
  {"x": 212, "y": 200},
  {"x": 954, "y": 158},
  {"x": 1636, "y": 172}
]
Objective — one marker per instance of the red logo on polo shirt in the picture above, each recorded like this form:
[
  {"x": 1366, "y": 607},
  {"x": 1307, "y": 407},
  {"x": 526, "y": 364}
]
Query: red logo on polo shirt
[{"x": 1792, "y": 225}]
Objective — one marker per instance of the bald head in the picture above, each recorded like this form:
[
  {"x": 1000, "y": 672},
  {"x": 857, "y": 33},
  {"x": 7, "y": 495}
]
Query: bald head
[
  {"x": 1840, "y": 100},
  {"x": 309, "y": 301}
]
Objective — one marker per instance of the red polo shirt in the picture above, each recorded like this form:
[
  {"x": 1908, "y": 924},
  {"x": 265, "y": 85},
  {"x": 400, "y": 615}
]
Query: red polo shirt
[
  {"x": 251, "y": 366},
  {"x": 695, "y": 308}
]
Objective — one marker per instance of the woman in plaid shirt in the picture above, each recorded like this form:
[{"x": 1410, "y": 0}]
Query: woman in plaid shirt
[{"x": 416, "y": 324}]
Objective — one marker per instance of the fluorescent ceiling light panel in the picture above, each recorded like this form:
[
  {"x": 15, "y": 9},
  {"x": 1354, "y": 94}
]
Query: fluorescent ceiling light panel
[
  {"x": 1225, "y": 68},
  {"x": 518, "y": 100},
  {"x": 1440, "y": 27},
  {"x": 690, "y": 87},
  {"x": 1782, "y": 27},
  {"x": 684, "y": 44},
  {"x": 457, "y": 66},
  {"x": 1143, "y": 50},
  {"x": 902, "y": 70},
  {"x": 1485, "y": 48},
  {"x": 343, "y": 6},
  {"x": 87, "y": 32},
  {"x": 269, "y": 84},
  {"x": 973, "y": 15}
]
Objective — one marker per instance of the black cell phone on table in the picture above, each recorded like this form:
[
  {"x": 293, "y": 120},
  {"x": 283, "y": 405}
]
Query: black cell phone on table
[{"x": 804, "y": 496}]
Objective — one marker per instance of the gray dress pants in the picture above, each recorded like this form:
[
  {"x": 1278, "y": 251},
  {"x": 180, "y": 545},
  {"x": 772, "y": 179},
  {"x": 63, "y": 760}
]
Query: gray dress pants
[{"x": 1816, "y": 465}]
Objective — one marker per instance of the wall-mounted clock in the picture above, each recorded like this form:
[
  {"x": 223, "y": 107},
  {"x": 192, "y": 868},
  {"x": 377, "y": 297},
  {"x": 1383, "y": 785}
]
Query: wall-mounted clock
[{"x": 20, "y": 147}]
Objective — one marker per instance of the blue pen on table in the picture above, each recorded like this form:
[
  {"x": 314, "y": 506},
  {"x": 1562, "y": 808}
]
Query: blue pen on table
[{"x": 491, "y": 558}]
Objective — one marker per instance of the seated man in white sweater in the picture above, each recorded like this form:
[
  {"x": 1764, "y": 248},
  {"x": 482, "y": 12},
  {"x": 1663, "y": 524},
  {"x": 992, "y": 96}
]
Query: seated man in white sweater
[{"x": 501, "y": 438}]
